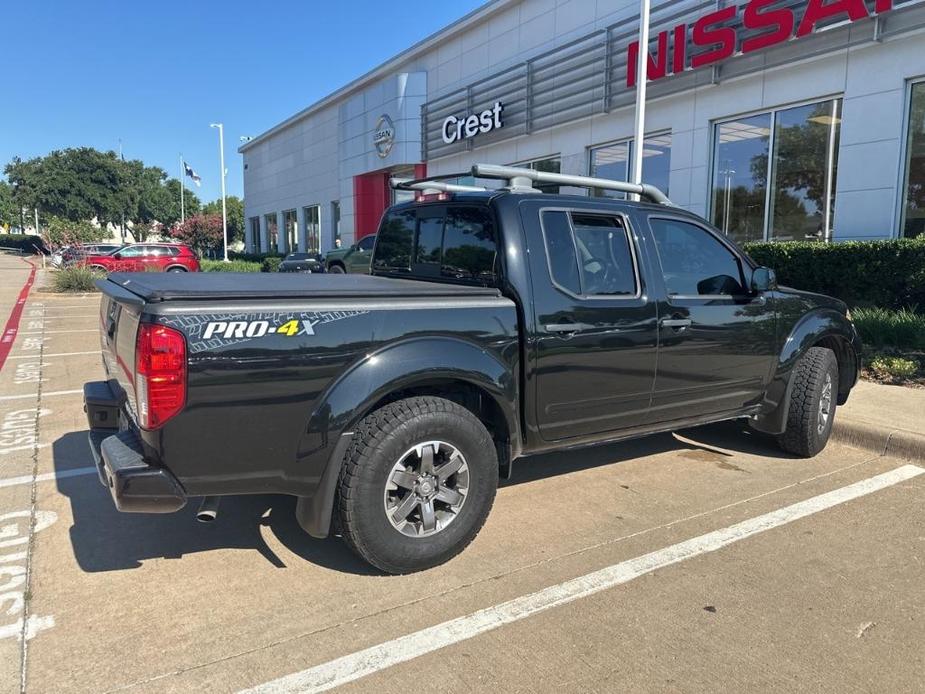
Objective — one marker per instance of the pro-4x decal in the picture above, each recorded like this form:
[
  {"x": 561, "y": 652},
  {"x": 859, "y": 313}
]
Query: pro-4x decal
[{"x": 216, "y": 330}]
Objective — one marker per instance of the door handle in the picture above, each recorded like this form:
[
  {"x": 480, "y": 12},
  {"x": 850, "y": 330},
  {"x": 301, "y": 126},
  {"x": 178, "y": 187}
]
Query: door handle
[
  {"x": 566, "y": 328},
  {"x": 677, "y": 323}
]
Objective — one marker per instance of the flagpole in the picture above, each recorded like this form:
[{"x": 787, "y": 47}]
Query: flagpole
[
  {"x": 642, "y": 76},
  {"x": 221, "y": 157},
  {"x": 182, "y": 173}
]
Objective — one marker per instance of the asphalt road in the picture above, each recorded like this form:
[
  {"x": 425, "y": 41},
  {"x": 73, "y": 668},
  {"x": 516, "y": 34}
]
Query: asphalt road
[{"x": 701, "y": 561}]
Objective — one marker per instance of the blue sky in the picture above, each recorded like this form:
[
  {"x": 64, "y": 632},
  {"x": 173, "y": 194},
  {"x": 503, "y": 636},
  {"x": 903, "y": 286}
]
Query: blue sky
[{"x": 155, "y": 74}]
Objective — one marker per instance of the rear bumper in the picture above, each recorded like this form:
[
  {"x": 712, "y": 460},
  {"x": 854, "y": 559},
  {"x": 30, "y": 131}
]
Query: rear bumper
[{"x": 136, "y": 485}]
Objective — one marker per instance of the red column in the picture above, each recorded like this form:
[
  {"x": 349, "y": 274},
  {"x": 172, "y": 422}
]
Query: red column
[{"x": 371, "y": 197}]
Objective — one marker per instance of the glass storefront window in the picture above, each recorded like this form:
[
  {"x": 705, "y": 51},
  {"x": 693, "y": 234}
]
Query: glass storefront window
[
  {"x": 312, "y": 216},
  {"x": 914, "y": 188},
  {"x": 740, "y": 161},
  {"x": 549, "y": 165},
  {"x": 614, "y": 162},
  {"x": 803, "y": 171},
  {"x": 291, "y": 225},
  {"x": 796, "y": 149},
  {"x": 272, "y": 232},
  {"x": 254, "y": 224}
]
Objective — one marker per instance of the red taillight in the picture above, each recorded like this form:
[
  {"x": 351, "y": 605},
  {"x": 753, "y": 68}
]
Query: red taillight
[{"x": 160, "y": 368}]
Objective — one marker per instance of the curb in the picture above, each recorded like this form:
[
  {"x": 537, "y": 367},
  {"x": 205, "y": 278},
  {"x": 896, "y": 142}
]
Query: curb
[{"x": 897, "y": 443}]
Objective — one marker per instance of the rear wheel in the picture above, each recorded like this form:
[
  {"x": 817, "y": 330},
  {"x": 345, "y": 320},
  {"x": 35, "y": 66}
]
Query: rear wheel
[
  {"x": 176, "y": 269},
  {"x": 336, "y": 268},
  {"x": 812, "y": 403},
  {"x": 418, "y": 481}
]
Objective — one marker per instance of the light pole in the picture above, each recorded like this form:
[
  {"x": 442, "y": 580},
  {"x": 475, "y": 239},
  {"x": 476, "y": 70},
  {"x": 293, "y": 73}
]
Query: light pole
[
  {"x": 642, "y": 76},
  {"x": 221, "y": 156}
]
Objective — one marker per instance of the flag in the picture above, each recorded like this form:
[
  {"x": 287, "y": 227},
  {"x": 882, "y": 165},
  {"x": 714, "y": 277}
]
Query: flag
[{"x": 197, "y": 179}]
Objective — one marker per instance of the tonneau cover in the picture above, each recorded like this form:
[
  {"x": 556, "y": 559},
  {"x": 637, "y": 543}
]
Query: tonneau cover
[{"x": 166, "y": 286}]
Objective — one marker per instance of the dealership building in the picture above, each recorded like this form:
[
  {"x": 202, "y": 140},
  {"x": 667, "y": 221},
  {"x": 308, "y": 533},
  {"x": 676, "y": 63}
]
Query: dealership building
[{"x": 774, "y": 119}]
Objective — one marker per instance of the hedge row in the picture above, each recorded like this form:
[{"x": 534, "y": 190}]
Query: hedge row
[
  {"x": 889, "y": 274},
  {"x": 22, "y": 242},
  {"x": 266, "y": 264}
]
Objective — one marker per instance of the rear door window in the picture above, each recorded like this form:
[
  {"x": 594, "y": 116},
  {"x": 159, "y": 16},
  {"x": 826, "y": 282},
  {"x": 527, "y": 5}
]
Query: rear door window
[{"x": 589, "y": 254}]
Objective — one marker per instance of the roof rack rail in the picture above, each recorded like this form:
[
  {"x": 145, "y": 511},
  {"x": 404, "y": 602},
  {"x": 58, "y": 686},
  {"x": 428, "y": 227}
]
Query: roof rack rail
[{"x": 520, "y": 180}]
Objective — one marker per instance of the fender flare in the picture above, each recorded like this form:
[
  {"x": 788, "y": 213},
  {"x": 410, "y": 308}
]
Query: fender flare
[
  {"x": 818, "y": 324},
  {"x": 410, "y": 363}
]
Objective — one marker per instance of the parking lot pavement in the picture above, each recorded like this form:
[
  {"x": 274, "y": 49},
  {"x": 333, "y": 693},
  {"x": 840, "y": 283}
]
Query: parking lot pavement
[{"x": 731, "y": 591}]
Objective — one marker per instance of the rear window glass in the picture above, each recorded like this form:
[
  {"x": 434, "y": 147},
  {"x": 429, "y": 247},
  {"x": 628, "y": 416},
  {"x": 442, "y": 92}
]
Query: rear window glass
[
  {"x": 396, "y": 239},
  {"x": 469, "y": 245},
  {"x": 430, "y": 237}
]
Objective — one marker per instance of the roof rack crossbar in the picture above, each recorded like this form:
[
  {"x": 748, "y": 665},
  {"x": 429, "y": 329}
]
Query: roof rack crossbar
[{"x": 517, "y": 178}]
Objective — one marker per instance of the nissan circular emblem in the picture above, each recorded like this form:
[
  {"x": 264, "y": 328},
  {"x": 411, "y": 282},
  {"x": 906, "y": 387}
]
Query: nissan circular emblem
[{"x": 384, "y": 136}]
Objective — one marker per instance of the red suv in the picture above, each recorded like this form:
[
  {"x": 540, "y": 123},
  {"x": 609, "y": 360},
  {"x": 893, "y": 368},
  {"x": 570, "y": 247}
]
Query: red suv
[{"x": 146, "y": 257}]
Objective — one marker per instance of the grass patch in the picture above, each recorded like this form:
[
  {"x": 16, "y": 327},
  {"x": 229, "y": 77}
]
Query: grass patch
[
  {"x": 76, "y": 279},
  {"x": 883, "y": 327},
  {"x": 230, "y": 266}
]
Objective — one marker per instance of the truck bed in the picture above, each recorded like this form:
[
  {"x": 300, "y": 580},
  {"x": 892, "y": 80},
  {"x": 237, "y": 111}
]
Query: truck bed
[{"x": 155, "y": 287}]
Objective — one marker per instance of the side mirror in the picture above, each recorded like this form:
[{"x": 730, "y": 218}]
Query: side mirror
[
  {"x": 764, "y": 279},
  {"x": 355, "y": 247},
  {"x": 117, "y": 256}
]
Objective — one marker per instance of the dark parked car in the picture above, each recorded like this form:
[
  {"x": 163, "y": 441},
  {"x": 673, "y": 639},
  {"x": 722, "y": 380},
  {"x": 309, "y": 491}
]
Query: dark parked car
[
  {"x": 301, "y": 262},
  {"x": 354, "y": 258},
  {"x": 495, "y": 325},
  {"x": 145, "y": 257}
]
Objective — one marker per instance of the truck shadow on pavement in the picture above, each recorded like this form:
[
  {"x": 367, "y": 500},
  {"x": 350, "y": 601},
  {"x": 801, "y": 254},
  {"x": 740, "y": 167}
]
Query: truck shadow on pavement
[{"x": 104, "y": 539}]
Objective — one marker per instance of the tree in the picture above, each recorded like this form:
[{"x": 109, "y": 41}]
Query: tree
[
  {"x": 9, "y": 210},
  {"x": 234, "y": 207},
  {"x": 201, "y": 232},
  {"x": 60, "y": 232}
]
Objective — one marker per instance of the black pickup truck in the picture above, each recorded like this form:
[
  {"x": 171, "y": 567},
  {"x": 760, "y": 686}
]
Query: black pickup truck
[{"x": 495, "y": 324}]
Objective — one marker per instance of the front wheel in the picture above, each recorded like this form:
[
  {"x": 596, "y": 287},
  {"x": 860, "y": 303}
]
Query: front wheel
[
  {"x": 177, "y": 269},
  {"x": 336, "y": 269},
  {"x": 418, "y": 481},
  {"x": 812, "y": 403}
]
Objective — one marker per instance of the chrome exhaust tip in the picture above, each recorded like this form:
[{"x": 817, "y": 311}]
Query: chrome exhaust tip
[{"x": 208, "y": 509}]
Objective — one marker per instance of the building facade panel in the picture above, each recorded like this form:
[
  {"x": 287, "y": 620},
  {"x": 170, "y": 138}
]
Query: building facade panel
[{"x": 803, "y": 136}]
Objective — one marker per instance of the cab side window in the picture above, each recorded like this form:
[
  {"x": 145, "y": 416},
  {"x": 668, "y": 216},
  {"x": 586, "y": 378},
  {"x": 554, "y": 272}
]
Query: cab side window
[
  {"x": 694, "y": 262},
  {"x": 589, "y": 254},
  {"x": 366, "y": 243}
]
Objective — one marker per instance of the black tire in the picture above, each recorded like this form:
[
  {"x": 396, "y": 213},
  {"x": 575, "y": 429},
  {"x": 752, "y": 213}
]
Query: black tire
[
  {"x": 380, "y": 442},
  {"x": 815, "y": 383},
  {"x": 336, "y": 268},
  {"x": 177, "y": 269}
]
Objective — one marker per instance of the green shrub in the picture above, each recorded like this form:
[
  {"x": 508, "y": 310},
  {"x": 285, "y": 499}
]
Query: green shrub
[
  {"x": 76, "y": 279},
  {"x": 230, "y": 266},
  {"x": 22, "y": 242},
  {"x": 893, "y": 367},
  {"x": 861, "y": 273},
  {"x": 881, "y": 327},
  {"x": 252, "y": 257},
  {"x": 271, "y": 263}
]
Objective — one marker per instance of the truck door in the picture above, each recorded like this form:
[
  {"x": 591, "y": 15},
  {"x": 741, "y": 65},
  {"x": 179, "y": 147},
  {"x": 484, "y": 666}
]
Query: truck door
[
  {"x": 717, "y": 342},
  {"x": 595, "y": 330}
]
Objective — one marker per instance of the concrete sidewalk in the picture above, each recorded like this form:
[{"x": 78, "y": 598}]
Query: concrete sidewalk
[{"x": 886, "y": 419}]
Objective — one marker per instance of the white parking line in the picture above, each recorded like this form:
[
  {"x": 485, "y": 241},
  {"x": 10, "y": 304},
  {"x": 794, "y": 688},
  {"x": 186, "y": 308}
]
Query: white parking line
[
  {"x": 59, "y": 354},
  {"x": 44, "y": 395},
  {"x": 371, "y": 660},
  {"x": 58, "y": 332},
  {"x": 47, "y": 476},
  {"x": 71, "y": 315}
]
